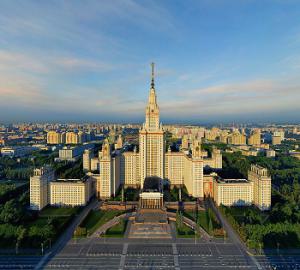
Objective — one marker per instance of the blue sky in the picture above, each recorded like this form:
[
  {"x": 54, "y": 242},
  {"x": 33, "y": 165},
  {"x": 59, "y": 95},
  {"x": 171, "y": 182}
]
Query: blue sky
[{"x": 216, "y": 61}]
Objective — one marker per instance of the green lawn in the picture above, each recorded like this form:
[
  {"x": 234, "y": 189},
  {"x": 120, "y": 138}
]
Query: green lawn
[
  {"x": 50, "y": 211},
  {"x": 97, "y": 218},
  {"x": 204, "y": 220},
  {"x": 117, "y": 231},
  {"x": 184, "y": 231}
]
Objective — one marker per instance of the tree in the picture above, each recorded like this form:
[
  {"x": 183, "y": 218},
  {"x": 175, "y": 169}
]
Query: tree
[
  {"x": 210, "y": 225},
  {"x": 12, "y": 212}
]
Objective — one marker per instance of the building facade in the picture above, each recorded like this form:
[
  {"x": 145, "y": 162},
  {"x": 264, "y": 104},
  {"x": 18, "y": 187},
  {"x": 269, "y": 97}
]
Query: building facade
[
  {"x": 71, "y": 192},
  {"x": 255, "y": 138},
  {"x": 54, "y": 137},
  {"x": 256, "y": 190},
  {"x": 232, "y": 192}
]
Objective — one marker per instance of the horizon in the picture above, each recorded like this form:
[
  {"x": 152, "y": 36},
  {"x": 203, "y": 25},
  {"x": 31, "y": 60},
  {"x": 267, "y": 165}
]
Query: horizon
[{"x": 216, "y": 63}]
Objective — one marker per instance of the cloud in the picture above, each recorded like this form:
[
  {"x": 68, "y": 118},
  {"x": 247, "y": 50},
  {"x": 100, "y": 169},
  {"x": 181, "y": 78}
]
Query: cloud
[
  {"x": 73, "y": 63},
  {"x": 14, "y": 61},
  {"x": 18, "y": 61},
  {"x": 265, "y": 96},
  {"x": 20, "y": 90}
]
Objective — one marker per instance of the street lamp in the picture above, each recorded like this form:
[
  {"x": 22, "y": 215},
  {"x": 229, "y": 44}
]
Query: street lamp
[{"x": 260, "y": 248}]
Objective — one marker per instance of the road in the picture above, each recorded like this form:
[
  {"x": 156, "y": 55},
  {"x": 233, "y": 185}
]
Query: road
[
  {"x": 233, "y": 235},
  {"x": 126, "y": 253},
  {"x": 67, "y": 235},
  {"x": 112, "y": 253}
]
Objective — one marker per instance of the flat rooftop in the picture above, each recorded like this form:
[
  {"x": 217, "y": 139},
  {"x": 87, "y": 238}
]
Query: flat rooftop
[
  {"x": 231, "y": 181},
  {"x": 72, "y": 180}
]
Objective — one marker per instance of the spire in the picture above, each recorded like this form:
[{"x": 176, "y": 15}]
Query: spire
[{"x": 152, "y": 75}]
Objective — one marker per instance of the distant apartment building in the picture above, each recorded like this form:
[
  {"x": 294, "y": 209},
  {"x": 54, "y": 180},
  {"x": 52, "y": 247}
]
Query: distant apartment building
[
  {"x": 270, "y": 153},
  {"x": 279, "y": 133},
  {"x": 236, "y": 138},
  {"x": 223, "y": 137},
  {"x": 54, "y": 137},
  {"x": 212, "y": 134},
  {"x": 255, "y": 138},
  {"x": 39, "y": 187},
  {"x": 72, "y": 153},
  {"x": 72, "y": 137},
  {"x": 276, "y": 140}
]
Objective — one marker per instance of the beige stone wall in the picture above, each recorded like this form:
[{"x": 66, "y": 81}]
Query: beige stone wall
[
  {"x": 131, "y": 167},
  {"x": 174, "y": 167},
  {"x": 70, "y": 193},
  {"x": 228, "y": 194},
  {"x": 152, "y": 148}
]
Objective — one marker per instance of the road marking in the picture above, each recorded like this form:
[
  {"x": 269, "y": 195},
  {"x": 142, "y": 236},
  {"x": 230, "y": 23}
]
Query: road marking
[
  {"x": 175, "y": 254},
  {"x": 123, "y": 257}
]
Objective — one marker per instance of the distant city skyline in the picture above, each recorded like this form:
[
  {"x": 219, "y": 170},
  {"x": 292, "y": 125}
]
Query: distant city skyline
[{"x": 216, "y": 61}]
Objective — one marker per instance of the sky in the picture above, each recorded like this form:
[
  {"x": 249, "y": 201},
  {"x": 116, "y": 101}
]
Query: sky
[{"x": 89, "y": 61}]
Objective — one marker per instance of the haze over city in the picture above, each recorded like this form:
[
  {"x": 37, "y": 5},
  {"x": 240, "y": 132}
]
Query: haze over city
[{"x": 89, "y": 61}]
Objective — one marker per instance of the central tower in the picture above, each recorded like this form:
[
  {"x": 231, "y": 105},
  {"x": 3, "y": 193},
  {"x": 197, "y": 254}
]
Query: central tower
[{"x": 151, "y": 138}]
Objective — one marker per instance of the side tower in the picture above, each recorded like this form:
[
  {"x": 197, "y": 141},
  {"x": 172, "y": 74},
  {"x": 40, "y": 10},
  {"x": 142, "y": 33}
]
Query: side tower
[
  {"x": 261, "y": 180},
  {"x": 151, "y": 139},
  {"x": 109, "y": 172},
  {"x": 39, "y": 187},
  {"x": 197, "y": 170}
]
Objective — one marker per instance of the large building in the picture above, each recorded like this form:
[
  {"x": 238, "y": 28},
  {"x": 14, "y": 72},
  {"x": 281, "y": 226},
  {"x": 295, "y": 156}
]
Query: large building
[
  {"x": 130, "y": 168},
  {"x": 46, "y": 189},
  {"x": 256, "y": 190},
  {"x": 184, "y": 167}
]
